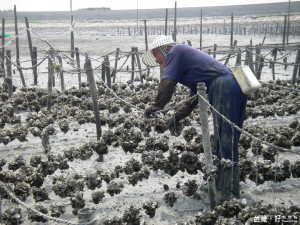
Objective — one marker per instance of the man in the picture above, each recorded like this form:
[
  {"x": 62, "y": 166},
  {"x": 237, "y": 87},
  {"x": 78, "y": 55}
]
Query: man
[{"x": 188, "y": 66}]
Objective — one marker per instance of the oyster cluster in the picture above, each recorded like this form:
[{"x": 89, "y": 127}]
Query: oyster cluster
[{"x": 149, "y": 139}]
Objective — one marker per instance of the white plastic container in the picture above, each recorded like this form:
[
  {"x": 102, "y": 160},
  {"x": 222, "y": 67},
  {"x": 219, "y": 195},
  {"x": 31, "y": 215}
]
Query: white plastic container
[{"x": 246, "y": 79}]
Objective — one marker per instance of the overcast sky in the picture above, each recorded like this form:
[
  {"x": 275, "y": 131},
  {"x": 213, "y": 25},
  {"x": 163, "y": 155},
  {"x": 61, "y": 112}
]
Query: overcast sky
[{"x": 64, "y": 5}]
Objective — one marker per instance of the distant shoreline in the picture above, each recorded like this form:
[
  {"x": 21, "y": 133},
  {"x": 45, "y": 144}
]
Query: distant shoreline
[{"x": 238, "y": 10}]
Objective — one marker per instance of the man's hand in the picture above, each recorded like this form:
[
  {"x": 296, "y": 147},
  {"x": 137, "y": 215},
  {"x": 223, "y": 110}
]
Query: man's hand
[{"x": 174, "y": 126}]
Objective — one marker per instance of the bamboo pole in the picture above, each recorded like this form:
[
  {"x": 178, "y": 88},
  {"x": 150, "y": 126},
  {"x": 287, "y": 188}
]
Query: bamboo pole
[
  {"x": 61, "y": 74},
  {"x": 30, "y": 49},
  {"x": 107, "y": 71},
  {"x": 2, "y": 66},
  {"x": 231, "y": 31},
  {"x": 34, "y": 63},
  {"x": 9, "y": 73},
  {"x": 146, "y": 35},
  {"x": 138, "y": 63},
  {"x": 17, "y": 48},
  {"x": 257, "y": 60},
  {"x": 273, "y": 63},
  {"x": 114, "y": 73},
  {"x": 296, "y": 66},
  {"x": 230, "y": 54},
  {"x": 215, "y": 51},
  {"x": 132, "y": 63},
  {"x": 72, "y": 31},
  {"x": 103, "y": 71},
  {"x": 93, "y": 90},
  {"x": 284, "y": 30},
  {"x": 175, "y": 23},
  {"x": 78, "y": 66},
  {"x": 50, "y": 80},
  {"x": 201, "y": 29},
  {"x": 166, "y": 23},
  {"x": 206, "y": 144},
  {"x": 288, "y": 23},
  {"x": 238, "y": 61}
]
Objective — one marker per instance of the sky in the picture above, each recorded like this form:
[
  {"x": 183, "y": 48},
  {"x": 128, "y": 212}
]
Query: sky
[{"x": 64, "y": 5}]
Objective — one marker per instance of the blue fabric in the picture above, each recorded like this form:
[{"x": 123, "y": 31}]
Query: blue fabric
[
  {"x": 189, "y": 66},
  {"x": 227, "y": 98}
]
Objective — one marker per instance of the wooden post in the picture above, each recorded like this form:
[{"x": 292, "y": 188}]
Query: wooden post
[
  {"x": 103, "y": 70},
  {"x": 206, "y": 144},
  {"x": 200, "y": 29},
  {"x": 132, "y": 63},
  {"x": 257, "y": 57},
  {"x": 50, "y": 75},
  {"x": 230, "y": 53},
  {"x": 273, "y": 63},
  {"x": 45, "y": 141},
  {"x": 138, "y": 63},
  {"x": 116, "y": 65},
  {"x": 238, "y": 61},
  {"x": 166, "y": 23},
  {"x": 17, "y": 48},
  {"x": 34, "y": 63},
  {"x": 249, "y": 58},
  {"x": 107, "y": 71},
  {"x": 78, "y": 66},
  {"x": 231, "y": 31},
  {"x": 296, "y": 66},
  {"x": 61, "y": 74},
  {"x": 31, "y": 50},
  {"x": 92, "y": 85},
  {"x": 9, "y": 73},
  {"x": 146, "y": 35},
  {"x": 175, "y": 21},
  {"x": 72, "y": 37},
  {"x": 288, "y": 23},
  {"x": 2, "y": 66},
  {"x": 284, "y": 30},
  {"x": 215, "y": 51}
]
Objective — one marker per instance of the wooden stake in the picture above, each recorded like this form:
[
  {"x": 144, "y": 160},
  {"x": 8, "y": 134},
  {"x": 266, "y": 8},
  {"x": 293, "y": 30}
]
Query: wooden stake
[
  {"x": 93, "y": 89},
  {"x": 31, "y": 50},
  {"x": 9, "y": 73},
  {"x": 114, "y": 73},
  {"x": 2, "y": 66},
  {"x": 50, "y": 75},
  {"x": 61, "y": 73},
  {"x": 78, "y": 66},
  {"x": 206, "y": 144},
  {"x": 107, "y": 71},
  {"x": 17, "y": 48},
  {"x": 132, "y": 63},
  {"x": 34, "y": 63},
  {"x": 296, "y": 66}
]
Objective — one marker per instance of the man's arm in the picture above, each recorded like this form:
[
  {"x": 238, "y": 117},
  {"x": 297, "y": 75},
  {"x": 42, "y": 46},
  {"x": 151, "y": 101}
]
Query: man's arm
[
  {"x": 186, "y": 108},
  {"x": 165, "y": 91}
]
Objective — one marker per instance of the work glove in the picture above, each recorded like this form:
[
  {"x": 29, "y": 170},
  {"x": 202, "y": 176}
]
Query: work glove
[
  {"x": 148, "y": 111},
  {"x": 174, "y": 126}
]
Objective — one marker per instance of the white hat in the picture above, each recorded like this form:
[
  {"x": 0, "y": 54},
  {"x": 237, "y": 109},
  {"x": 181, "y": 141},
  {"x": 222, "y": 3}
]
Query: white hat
[{"x": 148, "y": 58}]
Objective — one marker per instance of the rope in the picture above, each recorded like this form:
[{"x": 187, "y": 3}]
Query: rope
[
  {"x": 245, "y": 132},
  {"x": 30, "y": 208}
]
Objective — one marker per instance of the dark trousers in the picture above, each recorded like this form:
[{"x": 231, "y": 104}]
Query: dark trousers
[{"x": 227, "y": 98}]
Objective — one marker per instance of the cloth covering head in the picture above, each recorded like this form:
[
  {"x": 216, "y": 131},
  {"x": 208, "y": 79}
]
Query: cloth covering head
[{"x": 161, "y": 43}]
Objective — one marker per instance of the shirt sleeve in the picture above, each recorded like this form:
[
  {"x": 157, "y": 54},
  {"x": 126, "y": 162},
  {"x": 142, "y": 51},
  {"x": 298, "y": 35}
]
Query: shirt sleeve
[
  {"x": 165, "y": 91},
  {"x": 186, "y": 108}
]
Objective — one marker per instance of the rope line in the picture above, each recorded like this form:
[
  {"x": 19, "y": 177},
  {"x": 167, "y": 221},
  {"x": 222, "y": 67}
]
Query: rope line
[
  {"x": 30, "y": 208},
  {"x": 244, "y": 131}
]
